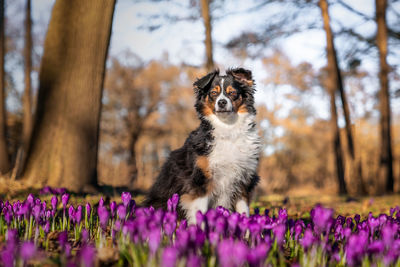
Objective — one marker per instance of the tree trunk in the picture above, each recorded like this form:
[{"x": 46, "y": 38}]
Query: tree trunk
[
  {"x": 205, "y": 12},
  {"x": 333, "y": 84},
  {"x": 27, "y": 98},
  {"x": 4, "y": 157},
  {"x": 386, "y": 158},
  {"x": 131, "y": 160},
  {"x": 64, "y": 146},
  {"x": 336, "y": 76}
]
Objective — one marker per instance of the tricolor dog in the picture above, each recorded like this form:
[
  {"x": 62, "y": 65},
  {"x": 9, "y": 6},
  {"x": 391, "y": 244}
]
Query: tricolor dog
[{"x": 217, "y": 165}]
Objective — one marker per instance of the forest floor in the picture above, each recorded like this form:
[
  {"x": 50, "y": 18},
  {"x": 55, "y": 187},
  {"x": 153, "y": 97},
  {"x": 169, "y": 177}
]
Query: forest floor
[{"x": 297, "y": 205}]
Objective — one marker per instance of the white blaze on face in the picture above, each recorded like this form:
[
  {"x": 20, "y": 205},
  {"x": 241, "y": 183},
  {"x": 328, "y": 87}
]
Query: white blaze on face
[{"x": 221, "y": 96}]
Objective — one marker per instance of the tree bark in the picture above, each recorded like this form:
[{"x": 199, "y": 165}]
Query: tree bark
[
  {"x": 205, "y": 12},
  {"x": 4, "y": 157},
  {"x": 333, "y": 84},
  {"x": 386, "y": 157},
  {"x": 336, "y": 76},
  {"x": 27, "y": 98},
  {"x": 64, "y": 146}
]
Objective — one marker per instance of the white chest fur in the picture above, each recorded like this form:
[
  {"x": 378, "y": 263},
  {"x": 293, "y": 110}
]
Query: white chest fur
[{"x": 234, "y": 156}]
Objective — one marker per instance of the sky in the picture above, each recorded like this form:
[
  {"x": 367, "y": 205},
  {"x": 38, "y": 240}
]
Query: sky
[{"x": 183, "y": 41}]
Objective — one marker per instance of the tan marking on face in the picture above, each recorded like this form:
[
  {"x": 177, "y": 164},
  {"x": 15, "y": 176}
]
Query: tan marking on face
[
  {"x": 230, "y": 89},
  {"x": 202, "y": 164},
  {"x": 249, "y": 83},
  {"x": 208, "y": 106},
  {"x": 242, "y": 108},
  {"x": 216, "y": 90}
]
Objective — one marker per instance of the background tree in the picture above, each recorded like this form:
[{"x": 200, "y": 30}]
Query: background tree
[
  {"x": 4, "y": 157},
  {"x": 64, "y": 144},
  {"x": 205, "y": 13},
  {"x": 27, "y": 121},
  {"x": 333, "y": 82},
  {"x": 386, "y": 157},
  {"x": 147, "y": 110}
]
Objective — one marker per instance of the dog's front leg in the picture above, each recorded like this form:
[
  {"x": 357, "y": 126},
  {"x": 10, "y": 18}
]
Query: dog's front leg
[
  {"x": 242, "y": 206},
  {"x": 193, "y": 205}
]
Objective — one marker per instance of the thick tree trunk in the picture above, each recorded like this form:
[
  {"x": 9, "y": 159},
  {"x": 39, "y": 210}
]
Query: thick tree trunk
[
  {"x": 205, "y": 12},
  {"x": 333, "y": 84},
  {"x": 27, "y": 98},
  {"x": 386, "y": 158},
  {"x": 4, "y": 157},
  {"x": 64, "y": 146}
]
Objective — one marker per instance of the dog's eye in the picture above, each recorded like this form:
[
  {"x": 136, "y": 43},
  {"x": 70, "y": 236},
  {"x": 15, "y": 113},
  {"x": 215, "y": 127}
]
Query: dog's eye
[
  {"x": 232, "y": 93},
  {"x": 214, "y": 93}
]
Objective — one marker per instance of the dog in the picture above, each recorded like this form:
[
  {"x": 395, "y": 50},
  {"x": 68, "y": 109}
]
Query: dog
[{"x": 217, "y": 165}]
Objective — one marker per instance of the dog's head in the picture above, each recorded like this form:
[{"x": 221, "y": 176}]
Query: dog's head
[{"x": 225, "y": 95}]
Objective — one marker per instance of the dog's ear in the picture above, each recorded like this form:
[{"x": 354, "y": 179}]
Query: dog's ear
[
  {"x": 203, "y": 83},
  {"x": 242, "y": 75}
]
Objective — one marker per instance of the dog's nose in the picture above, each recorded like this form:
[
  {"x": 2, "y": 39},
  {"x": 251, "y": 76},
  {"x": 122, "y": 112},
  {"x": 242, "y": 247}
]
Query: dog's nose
[{"x": 222, "y": 103}]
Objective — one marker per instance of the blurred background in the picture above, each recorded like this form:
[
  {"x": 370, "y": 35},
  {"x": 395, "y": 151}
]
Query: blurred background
[{"x": 328, "y": 86}]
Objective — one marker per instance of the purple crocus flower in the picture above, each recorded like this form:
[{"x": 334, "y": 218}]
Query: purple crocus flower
[
  {"x": 169, "y": 257},
  {"x": 101, "y": 202},
  {"x": 298, "y": 229},
  {"x": 356, "y": 248},
  {"x": 373, "y": 224},
  {"x": 227, "y": 248},
  {"x": 321, "y": 218},
  {"x": 121, "y": 212},
  {"x": 45, "y": 190},
  {"x": 376, "y": 247},
  {"x": 78, "y": 214},
  {"x": 85, "y": 235},
  {"x": 71, "y": 213},
  {"x": 182, "y": 239},
  {"x": 213, "y": 238},
  {"x": 54, "y": 202},
  {"x": 8, "y": 216},
  {"x": 169, "y": 223},
  {"x": 30, "y": 200},
  {"x": 36, "y": 212},
  {"x": 357, "y": 218},
  {"x": 46, "y": 227},
  {"x": 126, "y": 198},
  {"x": 104, "y": 215},
  {"x": 199, "y": 218},
  {"x": 388, "y": 233},
  {"x": 27, "y": 251},
  {"x": 7, "y": 257},
  {"x": 279, "y": 233},
  {"x": 282, "y": 216},
  {"x": 257, "y": 255},
  {"x": 308, "y": 239},
  {"x": 220, "y": 225},
  {"x": 87, "y": 255},
  {"x": 173, "y": 202},
  {"x": 154, "y": 240},
  {"x": 113, "y": 207},
  {"x": 233, "y": 221},
  {"x": 64, "y": 200},
  {"x": 12, "y": 239},
  {"x": 193, "y": 261},
  {"x": 63, "y": 239},
  {"x": 60, "y": 191}
]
